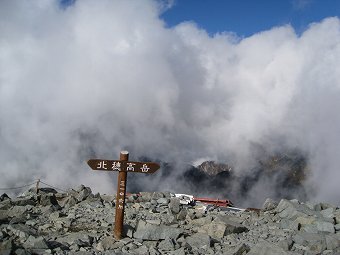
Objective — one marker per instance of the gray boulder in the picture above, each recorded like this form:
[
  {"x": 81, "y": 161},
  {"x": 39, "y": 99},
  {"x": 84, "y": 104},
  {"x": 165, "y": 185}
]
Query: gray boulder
[
  {"x": 182, "y": 214},
  {"x": 328, "y": 213},
  {"x": 68, "y": 202},
  {"x": 267, "y": 248},
  {"x": 21, "y": 231},
  {"x": 23, "y": 201},
  {"x": 36, "y": 243},
  {"x": 292, "y": 209},
  {"x": 231, "y": 226},
  {"x": 145, "y": 196},
  {"x": 4, "y": 218},
  {"x": 167, "y": 244},
  {"x": 5, "y": 204},
  {"x": 324, "y": 226},
  {"x": 147, "y": 231},
  {"x": 15, "y": 211},
  {"x": 174, "y": 205},
  {"x": 108, "y": 243},
  {"x": 337, "y": 216},
  {"x": 163, "y": 201},
  {"x": 142, "y": 250},
  {"x": 214, "y": 229},
  {"x": 332, "y": 241},
  {"x": 199, "y": 241},
  {"x": 83, "y": 193},
  {"x": 157, "y": 195},
  {"x": 7, "y": 247},
  {"x": 4, "y": 197},
  {"x": 312, "y": 242},
  {"x": 238, "y": 250},
  {"x": 269, "y": 204},
  {"x": 80, "y": 238},
  {"x": 46, "y": 199}
]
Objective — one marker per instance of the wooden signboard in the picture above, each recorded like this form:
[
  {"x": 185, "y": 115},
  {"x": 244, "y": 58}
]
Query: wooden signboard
[
  {"x": 123, "y": 166},
  {"x": 120, "y": 165}
]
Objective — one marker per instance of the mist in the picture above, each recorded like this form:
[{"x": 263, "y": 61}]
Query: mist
[{"x": 97, "y": 77}]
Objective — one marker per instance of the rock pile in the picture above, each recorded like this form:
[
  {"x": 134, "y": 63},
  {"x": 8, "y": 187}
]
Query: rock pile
[{"x": 79, "y": 222}]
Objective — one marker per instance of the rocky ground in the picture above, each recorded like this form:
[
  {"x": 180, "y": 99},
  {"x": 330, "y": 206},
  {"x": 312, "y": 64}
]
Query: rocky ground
[{"x": 79, "y": 222}]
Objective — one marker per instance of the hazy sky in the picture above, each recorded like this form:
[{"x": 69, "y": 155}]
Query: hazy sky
[{"x": 95, "y": 77}]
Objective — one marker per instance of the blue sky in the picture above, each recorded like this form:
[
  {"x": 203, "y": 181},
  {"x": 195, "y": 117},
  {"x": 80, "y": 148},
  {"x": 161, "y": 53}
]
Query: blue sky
[{"x": 246, "y": 17}]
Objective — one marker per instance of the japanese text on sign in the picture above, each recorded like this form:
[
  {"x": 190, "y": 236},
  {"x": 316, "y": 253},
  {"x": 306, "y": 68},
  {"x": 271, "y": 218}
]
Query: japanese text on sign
[
  {"x": 128, "y": 166},
  {"x": 121, "y": 195}
]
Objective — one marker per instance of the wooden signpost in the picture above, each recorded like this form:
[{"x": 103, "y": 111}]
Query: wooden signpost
[{"x": 123, "y": 166}]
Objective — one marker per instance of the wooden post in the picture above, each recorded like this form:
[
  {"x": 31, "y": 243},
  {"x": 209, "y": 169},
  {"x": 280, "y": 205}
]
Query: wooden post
[
  {"x": 122, "y": 166},
  {"x": 37, "y": 187},
  {"x": 120, "y": 198}
]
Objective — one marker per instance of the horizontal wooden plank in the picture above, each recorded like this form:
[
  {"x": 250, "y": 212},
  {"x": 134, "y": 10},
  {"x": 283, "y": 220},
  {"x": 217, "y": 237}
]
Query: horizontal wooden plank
[{"x": 119, "y": 165}]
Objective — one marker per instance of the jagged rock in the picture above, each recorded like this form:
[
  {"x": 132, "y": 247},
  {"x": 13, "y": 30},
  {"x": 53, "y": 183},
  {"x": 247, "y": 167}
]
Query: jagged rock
[
  {"x": 155, "y": 221},
  {"x": 5, "y": 204},
  {"x": 21, "y": 231},
  {"x": 146, "y": 231},
  {"x": 214, "y": 229},
  {"x": 200, "y": 221},
  {"x": 54, "y": 216},
  {"x": 108, "y": 243},
  {"x": 267, "y": 248},
  {"x": 145, "y": 196},
  {"x": 6, "y": 247},
  {"x": 313, "y": 206},
  {"x": 285, "y": 244},
  {"x": 337, "y": 216},
  {"x": 199, "y": 240},
  {"x": 163, "y": 201},
  {"x": 292, "y": 209},
  {"x": 269, "y": 204},
  {"x": 153, "y": 251},
  {"x": 36, "y": 243},
  {"x": 328, "y": 213},
  {"x": 83, "y": 192},
  {"x": 332, "y": 241},
  {"x": 326, "y": 206},
  {"x": 142, "y": 250},
  {"x": 174, "y": 205},
  {"x": 80, "y": 238},
  {"x": 182, "y": 214},
  {"x": 19, "y": 210},
  {"x": 230, "y": 226},
  {"x": 68, "y": 202},
  {"x": 4, "y": 197},
  {"x": 337, "y": 227},
  {"x": 159, "y": 224},
  {"x": 4, "y": 217},
  {"x": 21, "y": 251},
  {"x": 48, "y": 199},
  {"x": 167, "y": 244},
  {"x": 313, "y": 242},
  {"x": 238, "y": 250},
  {"x": 324, "y": 226},
  {"x": 108, "y": 198},
  {"x": 23, "y": 201},
  {"x": 157, "y": 195}
]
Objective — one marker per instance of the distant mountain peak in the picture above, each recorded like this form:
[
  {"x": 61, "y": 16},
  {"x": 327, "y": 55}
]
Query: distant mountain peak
[{"x": 213, "y": 168}]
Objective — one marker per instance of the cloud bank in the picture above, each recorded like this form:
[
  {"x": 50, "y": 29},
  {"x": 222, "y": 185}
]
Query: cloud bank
[{"x": 100, "y": 76}]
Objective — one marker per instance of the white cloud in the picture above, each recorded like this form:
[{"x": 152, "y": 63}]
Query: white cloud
[{"x": 101, "y": 76}]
